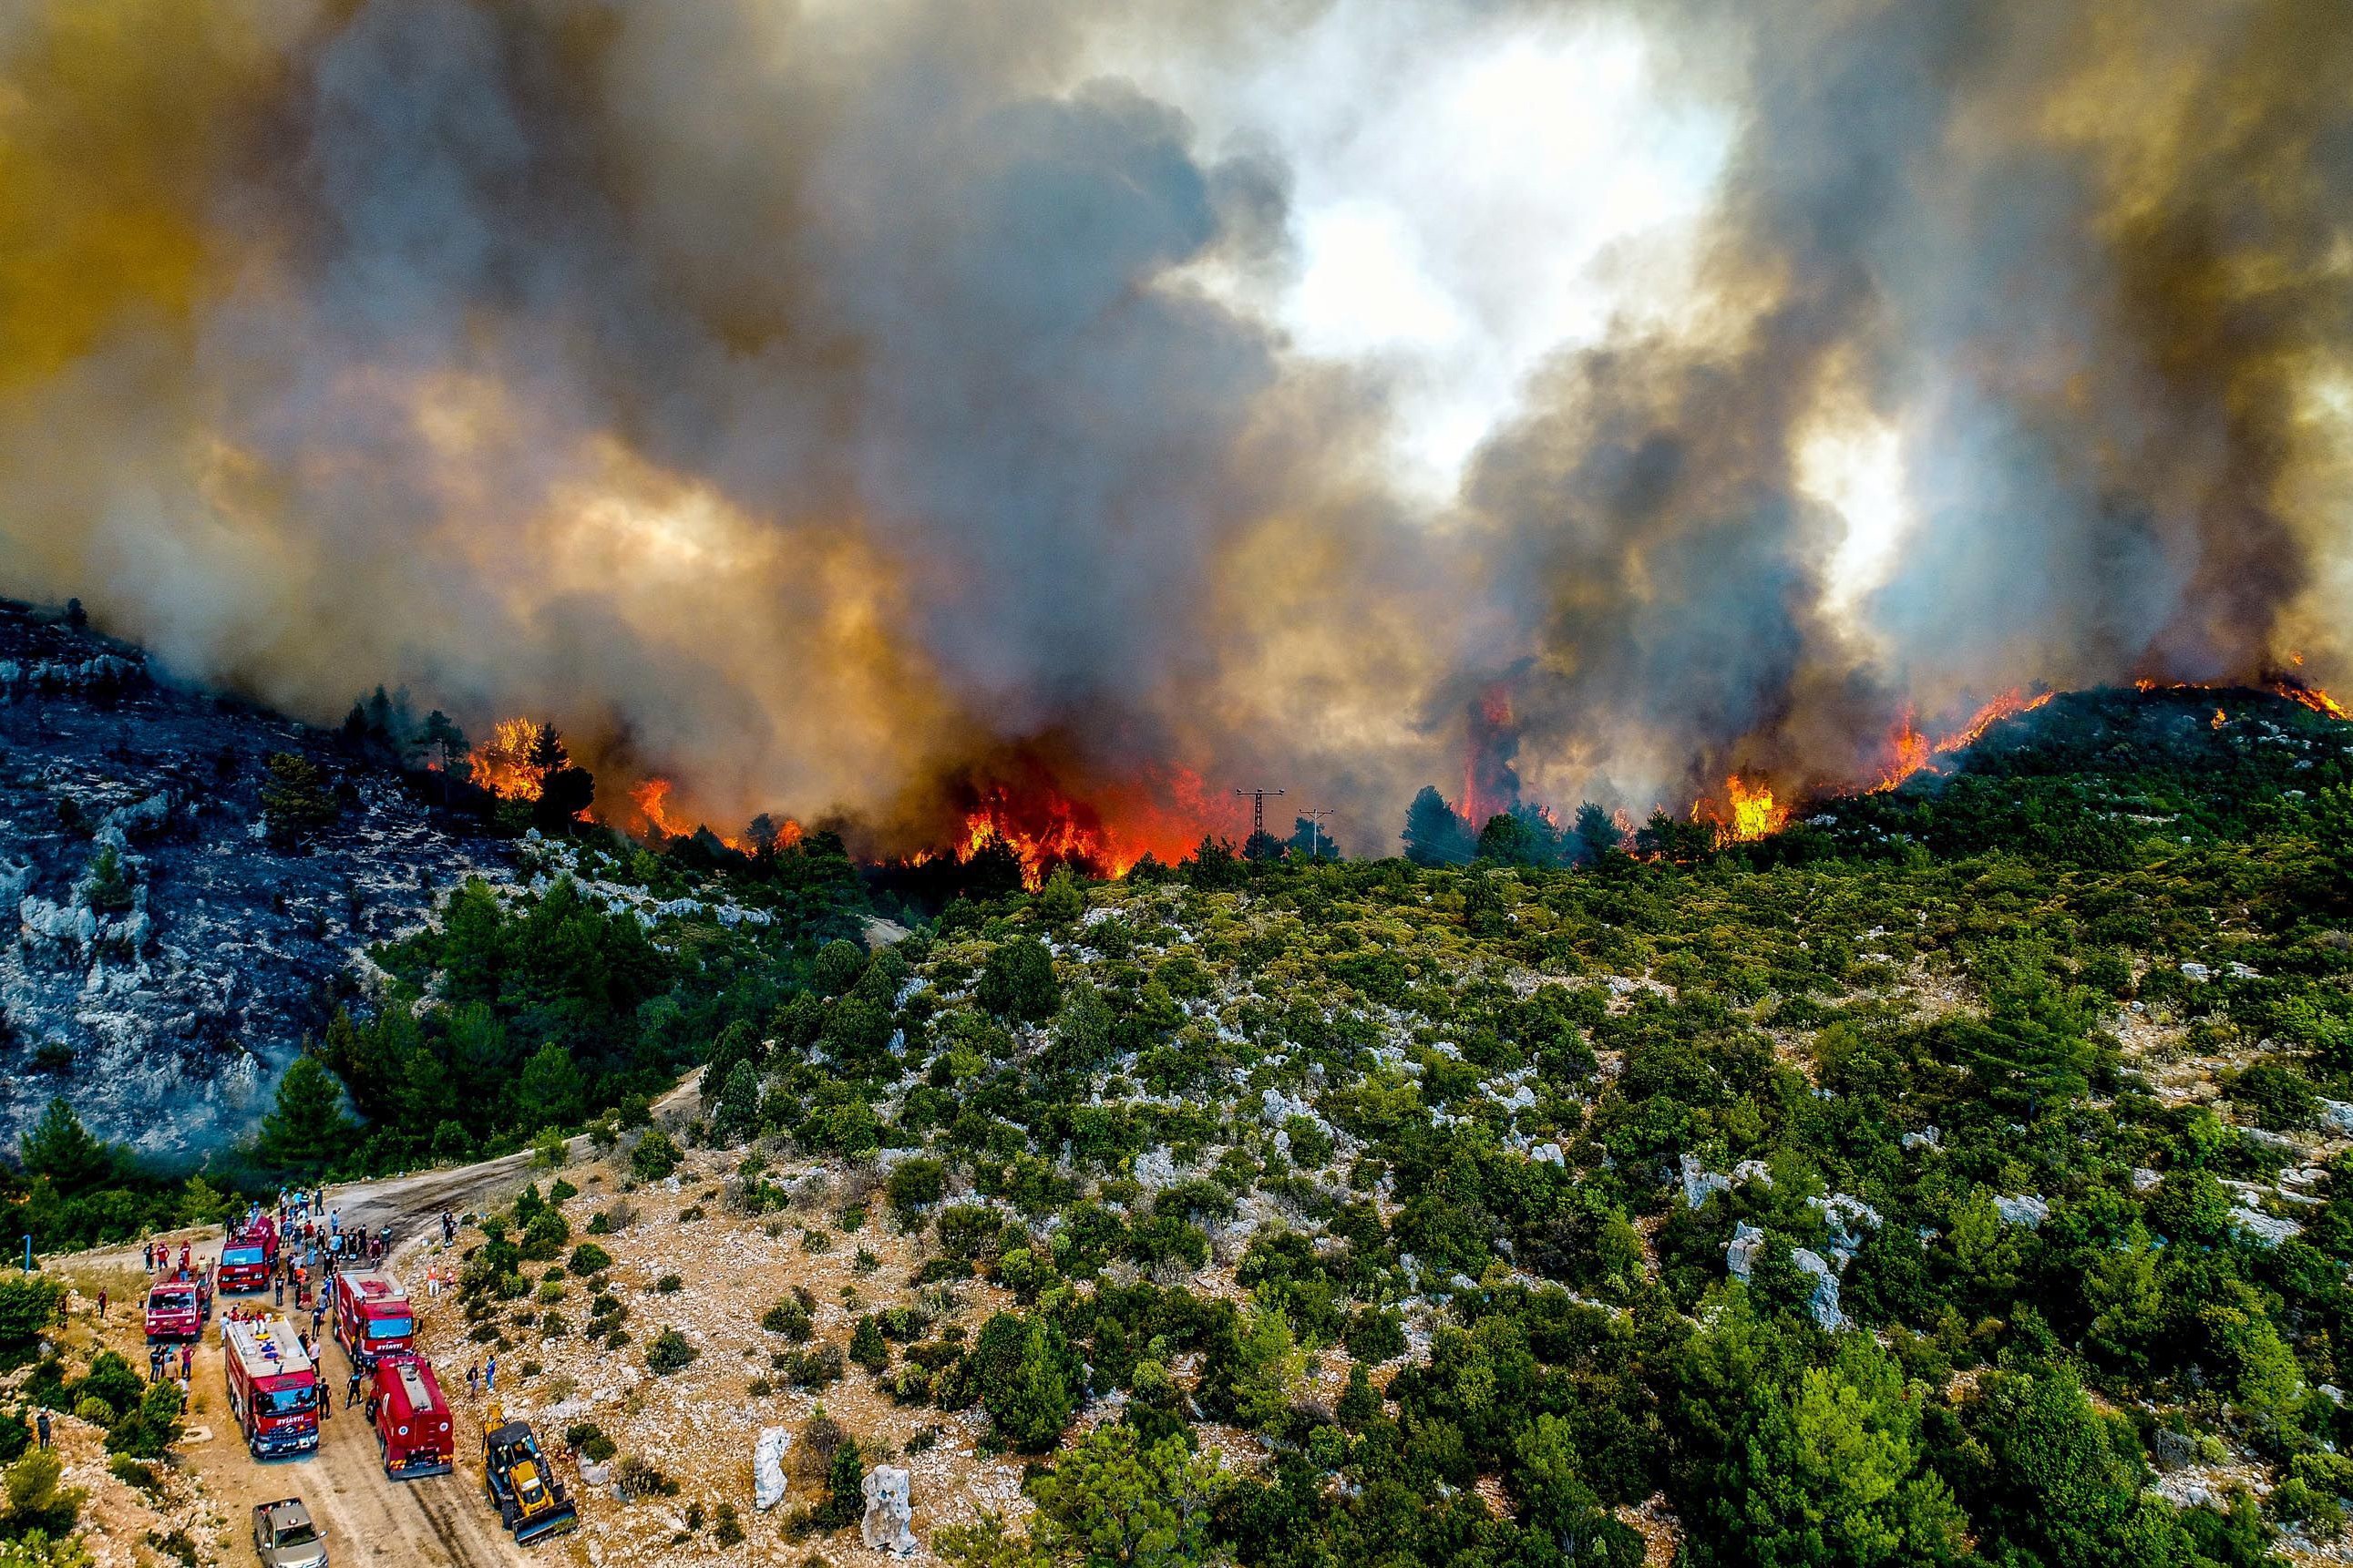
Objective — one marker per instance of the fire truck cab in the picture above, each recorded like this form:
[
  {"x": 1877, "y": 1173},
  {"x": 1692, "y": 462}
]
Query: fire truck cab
[
  {"x": 250, "y": 1256},
  {"x": 412, "y": 1419},
  {"x": 373, "y": 1316},
  {"x": 178, "y": 1309},
  {"x": 273, "y": 1388}
]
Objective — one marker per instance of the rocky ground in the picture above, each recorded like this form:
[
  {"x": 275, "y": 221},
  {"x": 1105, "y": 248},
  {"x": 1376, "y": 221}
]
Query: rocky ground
[
  {"x": 189, "y": 989},
  {"x": 698, "y": 1426}
]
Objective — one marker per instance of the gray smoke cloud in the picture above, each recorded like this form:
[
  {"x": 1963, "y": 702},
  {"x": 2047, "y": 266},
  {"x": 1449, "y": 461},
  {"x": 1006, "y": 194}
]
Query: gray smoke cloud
[{"x": 814, "y": 404}]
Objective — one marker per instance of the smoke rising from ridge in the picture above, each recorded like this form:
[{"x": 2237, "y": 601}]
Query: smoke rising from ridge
[{"x": 814, "y": 404}]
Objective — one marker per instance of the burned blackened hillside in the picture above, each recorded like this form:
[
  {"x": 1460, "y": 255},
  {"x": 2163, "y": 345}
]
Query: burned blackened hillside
[{"x": 170, "y": 952}]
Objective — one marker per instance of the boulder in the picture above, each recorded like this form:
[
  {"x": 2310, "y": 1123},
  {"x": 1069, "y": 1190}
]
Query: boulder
[
  {"x": 888, "y": 1524},
  {"x": 1740, "y": 1252},
  {"x": 1825, "y": 1300},
  {"x": 2026, "y": 1209},
  {"x": 768, "y": 1467},
  {"x": 1699, "y": 1182}
]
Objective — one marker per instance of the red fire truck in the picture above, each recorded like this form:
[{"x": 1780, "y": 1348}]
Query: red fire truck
[
  {"x": 273, "y": 1389},
  {"x": 373, "y": 1317},
  {"x": 412, "y": 1419},
  {"x": 178, "y": 1309},
  {"x": 250, "y": 1256}
]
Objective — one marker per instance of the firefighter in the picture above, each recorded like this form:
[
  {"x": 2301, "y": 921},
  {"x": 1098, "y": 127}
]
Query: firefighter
[
  {"x": 351, "y": 1389},
  {"x": 148, "y": 1252},
  {"x": 187, "y": 1362}
]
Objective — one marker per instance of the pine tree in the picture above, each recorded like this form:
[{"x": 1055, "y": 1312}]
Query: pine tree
[
  {"x": 307, "y": 1132},
  {"x": 1596, "y": 836},
  {"x": 107, "y": 888},
  {"x": 1434, "y": 835},
  {"x": 60, "y": 1148},
  {"x": 845, "y": 1487},
  {"x": 295, "y": 801},
  {"x": 549, "y": 1092},
  {"x": 737, "y": 1115},
  {"x": 867, "y": 1346}
]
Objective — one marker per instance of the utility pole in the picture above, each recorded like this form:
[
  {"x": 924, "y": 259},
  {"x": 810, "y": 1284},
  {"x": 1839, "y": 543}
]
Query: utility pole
[
  {"x": 1316, "y": 831},
  {"x": 1258, "y": 798}
]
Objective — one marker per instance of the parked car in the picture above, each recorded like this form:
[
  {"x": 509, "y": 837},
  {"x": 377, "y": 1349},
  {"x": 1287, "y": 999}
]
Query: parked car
[{"x": 285, "y": 1538}]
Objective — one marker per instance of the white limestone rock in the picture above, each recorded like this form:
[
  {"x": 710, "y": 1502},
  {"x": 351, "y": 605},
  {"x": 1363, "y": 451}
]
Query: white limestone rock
[
  {"x": 889, "y": 1514},
  {"x": 768, "y": 1467}
]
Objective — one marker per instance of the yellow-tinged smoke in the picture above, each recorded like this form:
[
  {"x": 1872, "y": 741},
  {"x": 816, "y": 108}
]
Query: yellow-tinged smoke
[{"x": 816, "y": 404}]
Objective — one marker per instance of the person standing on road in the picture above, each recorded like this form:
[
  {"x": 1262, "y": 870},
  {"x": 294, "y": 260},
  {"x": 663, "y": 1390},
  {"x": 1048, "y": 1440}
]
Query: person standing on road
[
  {"x": 281, "y": 1290},
  {"x": 188, "y": 1363},
  {"x": 155, "y": 1364},
  {"x": 326, "y": 1400},
  {"x": 352, "y": 1388},
  {"x": 474, "y": 1380},
  {"x": 148, "y": 1252},
  {"x": 448, "y": 1228},
  {"x": 491, "y": 1374}
]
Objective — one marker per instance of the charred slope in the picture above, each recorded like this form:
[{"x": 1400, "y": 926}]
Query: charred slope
[
  {"x": 169, "y": 954},
  {"x": 2086, "y": 777}
]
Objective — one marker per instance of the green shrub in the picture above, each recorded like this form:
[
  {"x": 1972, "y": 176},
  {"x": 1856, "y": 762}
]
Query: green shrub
[
  {"x": 655, "y": 1156},
  {"x": 668, "y": 1353}
]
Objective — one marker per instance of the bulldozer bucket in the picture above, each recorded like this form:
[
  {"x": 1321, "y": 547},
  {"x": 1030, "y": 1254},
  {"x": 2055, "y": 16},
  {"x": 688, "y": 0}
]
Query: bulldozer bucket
[{"x": 564, "y": 1516}]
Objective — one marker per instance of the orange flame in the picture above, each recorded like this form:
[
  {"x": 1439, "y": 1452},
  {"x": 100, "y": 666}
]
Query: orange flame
[
  {"x": 647, "y": 797},
  {"x": 1754, "y": 811},
  {"x": 1909, "y": 750},
  {"x": 2219, "y": 719},
  {"x": 2296, "y": 689},
  {"x": 502, "y": 764},
  {"x": 1162, "y": 813},
  {"x": 1753, "y": 815}
]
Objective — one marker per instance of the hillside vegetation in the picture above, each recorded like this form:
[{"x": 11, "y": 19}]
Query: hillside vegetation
[{"x": 1955, "y": 1177}]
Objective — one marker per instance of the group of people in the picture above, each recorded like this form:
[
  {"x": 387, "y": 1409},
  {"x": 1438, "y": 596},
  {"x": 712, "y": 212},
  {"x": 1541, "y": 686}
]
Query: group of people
[
  {"x": 159, "y": 1363},
  {"x": 158, "y": 1255}
]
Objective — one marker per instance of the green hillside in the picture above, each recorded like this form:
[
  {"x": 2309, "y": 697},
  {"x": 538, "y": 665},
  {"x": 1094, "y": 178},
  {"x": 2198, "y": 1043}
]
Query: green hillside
[{"x": 2028, "y": 1061}]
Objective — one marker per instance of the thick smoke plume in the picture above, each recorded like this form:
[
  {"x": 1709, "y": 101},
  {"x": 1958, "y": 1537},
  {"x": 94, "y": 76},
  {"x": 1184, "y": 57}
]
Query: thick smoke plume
[{"x": 853, "y": 408}]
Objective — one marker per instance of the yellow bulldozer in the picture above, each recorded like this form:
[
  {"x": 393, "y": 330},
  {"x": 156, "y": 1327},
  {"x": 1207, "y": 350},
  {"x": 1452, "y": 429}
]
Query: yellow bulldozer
[{"x": 530, "y": 1499}]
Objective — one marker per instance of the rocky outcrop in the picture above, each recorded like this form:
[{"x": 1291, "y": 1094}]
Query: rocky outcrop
[{"x": 168, "y": 957}]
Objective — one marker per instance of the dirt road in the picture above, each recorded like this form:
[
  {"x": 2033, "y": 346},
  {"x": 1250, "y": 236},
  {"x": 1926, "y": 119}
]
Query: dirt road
[
  {"x": 367, "y": 1517},
  {"x": 411, "y": 1204},
  {"x": 408, "y": 1204}
]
